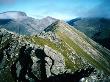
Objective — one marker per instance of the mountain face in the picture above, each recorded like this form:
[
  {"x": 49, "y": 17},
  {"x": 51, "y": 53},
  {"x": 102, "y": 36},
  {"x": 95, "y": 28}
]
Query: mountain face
[
  {"x": 97, "y": 29},
  {"x": 60, "y": 53},
  {"x": 20, "y": 23}
]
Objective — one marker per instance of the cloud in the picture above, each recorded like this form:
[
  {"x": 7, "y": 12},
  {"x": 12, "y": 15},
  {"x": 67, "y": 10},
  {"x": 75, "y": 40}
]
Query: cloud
[
  {"x": 62, "y": 16},
  {"x": 101, "y": 10}
]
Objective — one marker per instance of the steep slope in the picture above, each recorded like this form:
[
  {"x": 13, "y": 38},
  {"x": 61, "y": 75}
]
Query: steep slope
[
  {"x": 46, "y": 64},
  {"x": 12, "y": 59},
  {"x": 78, "y": 50},
  {"x": 60, "y": 53},
  {"x": 96, "y": 28},
  {"x": 78, "y": 42},
  {"x": 19, "y": 22}
]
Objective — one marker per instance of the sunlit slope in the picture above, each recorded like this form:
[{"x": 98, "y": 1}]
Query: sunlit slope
[{"x": 78, "y": 50}]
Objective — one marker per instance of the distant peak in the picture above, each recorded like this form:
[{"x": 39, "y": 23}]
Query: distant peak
[{"x": 49, "y": 18}]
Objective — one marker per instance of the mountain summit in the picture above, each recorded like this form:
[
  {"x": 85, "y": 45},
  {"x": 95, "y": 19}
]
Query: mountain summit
[{"x": 20, "y": 23}]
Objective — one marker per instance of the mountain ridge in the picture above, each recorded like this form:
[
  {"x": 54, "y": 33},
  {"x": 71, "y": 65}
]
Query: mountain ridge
[
  {"x": 26, "y": 25},
  {"x": 58, "y": 52},
  {"x": 95, "y": 28},
  {"x": 70, "y": 53}
]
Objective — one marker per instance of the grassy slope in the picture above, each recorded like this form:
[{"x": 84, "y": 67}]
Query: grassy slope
[
  {"x": 100, "y": 64},
  {"x": 83, "y": 54},
  {"x": 68, "y": 44},
  {"x": 63, "y": 50}
]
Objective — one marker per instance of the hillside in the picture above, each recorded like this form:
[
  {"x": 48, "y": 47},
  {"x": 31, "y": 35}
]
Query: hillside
[
  {"x": 59, "y": 54},
  {"x": 78, "y": 50},
  {"x": 95, "y": 28}
]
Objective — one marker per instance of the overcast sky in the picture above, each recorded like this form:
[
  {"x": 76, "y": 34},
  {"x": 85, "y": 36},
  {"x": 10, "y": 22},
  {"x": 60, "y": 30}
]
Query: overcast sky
[{"x": 61, "y": 9}]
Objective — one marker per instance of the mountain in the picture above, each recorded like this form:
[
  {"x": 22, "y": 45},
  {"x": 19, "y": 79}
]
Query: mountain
[
  {"x": 97, "y": 29},
  {"x": 60, "y": 53},
  {"x": 19, "y": 22}
]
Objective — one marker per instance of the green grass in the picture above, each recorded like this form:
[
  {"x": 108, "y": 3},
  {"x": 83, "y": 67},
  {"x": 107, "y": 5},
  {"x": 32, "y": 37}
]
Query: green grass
[
  {"x": 64, "y": 50},
  {"x": 66, "y": 47},
  {"x": 82, "y": 53}
]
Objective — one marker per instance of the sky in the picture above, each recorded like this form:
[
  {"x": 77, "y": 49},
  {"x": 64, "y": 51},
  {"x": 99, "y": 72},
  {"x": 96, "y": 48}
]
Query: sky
[{"x": 60, "y": 9}]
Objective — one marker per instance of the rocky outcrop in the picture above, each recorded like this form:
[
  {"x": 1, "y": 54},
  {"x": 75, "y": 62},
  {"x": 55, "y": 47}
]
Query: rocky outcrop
[
  {"x": 25, "y": 62},
  {"x": 8, "y": 48}
]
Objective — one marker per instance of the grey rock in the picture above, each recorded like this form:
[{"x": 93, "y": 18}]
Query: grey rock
[{"x": 20, "y": 23}]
